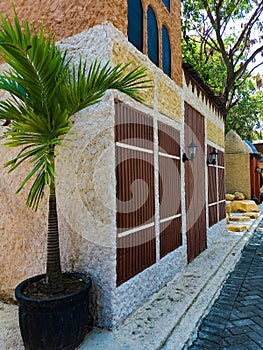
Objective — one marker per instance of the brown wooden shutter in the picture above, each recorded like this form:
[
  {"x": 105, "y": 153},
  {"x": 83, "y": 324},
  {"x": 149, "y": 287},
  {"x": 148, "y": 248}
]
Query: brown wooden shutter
[
  {"x": 136, "y": 243},
  {"x": 169, "y": 189}
]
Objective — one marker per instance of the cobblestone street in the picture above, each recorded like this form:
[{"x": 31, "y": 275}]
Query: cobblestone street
[{"x": 235, "y": 321}]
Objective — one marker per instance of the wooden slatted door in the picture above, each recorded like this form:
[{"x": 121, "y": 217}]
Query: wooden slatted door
[
  {"x": 136, "y": 242},
  {"x": 221, "y": 186},
  {"x": 216, "y": 188},
  {"x": 254, "y": 178},
  {"x": 169, "y": 189},
  {"x": 195, "y": 184}
]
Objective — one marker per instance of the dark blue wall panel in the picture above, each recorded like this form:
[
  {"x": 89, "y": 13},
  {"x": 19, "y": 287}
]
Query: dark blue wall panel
[
  {"x": 153, "y": 49},
  {"x": 135, "y": 23},
  {"x": 166, "y": 52}
]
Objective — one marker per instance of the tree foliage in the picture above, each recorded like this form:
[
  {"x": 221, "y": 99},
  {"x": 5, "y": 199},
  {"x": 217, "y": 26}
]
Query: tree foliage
[
  {"x": 245, "y": 117},
  {"x": 222, "y": 38}
]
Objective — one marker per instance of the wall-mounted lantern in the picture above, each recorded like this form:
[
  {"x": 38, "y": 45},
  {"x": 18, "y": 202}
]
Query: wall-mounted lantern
[
  {"x": 191, "y": 151},
  {"x": 211, "y": 160}
]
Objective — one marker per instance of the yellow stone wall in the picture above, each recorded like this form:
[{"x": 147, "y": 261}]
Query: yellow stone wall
[
  {"x": 169, "y": 102},
  {"x": 220, "y": 137},
  {"x": 215, "y": 134},
  {"x": 122, "y": 55},
  {"x": 238, "y": 173}
]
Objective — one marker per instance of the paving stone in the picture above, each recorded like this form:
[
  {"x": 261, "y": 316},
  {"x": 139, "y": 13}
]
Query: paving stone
[
  {"x": 205, "y": 345},
  {"x": 257, "y": 338},
  {"x": 212, "y": 329},
  {"x": 216, "y": 339},
  {"x": 208, "y": 323},
  {"x": 235, "y": 321},
  {"x": 237, "y": 339},
  {"x": 255, "y": 328},
  {"x": 215, "y": 319},
  {"x": 245, "y": 346},
  {"x": 259, "y": 321},
  {"x": 238, "y": 330}
]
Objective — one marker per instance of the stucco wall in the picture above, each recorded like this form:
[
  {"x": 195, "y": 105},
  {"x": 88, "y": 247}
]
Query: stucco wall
[
  {"x": 69, "y": 17},
  {"x": 19, "y": 227}
]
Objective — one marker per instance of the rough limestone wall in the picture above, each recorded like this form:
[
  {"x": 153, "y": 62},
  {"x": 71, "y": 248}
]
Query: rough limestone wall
[
  {"x": 238, "y": 174},
  {"x": 86, "y": 200},
  {"x": 86, "y": 197}
]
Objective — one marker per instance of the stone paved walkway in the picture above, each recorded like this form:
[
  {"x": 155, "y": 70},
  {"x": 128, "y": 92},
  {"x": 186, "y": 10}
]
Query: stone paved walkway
[{"x": 235, "y": 321}]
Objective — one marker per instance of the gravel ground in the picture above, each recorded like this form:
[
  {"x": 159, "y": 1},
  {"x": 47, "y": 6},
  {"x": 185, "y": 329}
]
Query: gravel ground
[{"x": 10, "y": 338}]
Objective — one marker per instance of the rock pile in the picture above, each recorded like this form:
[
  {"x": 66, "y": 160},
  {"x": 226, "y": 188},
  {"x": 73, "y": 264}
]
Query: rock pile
[{"x": 240, "y": 211}]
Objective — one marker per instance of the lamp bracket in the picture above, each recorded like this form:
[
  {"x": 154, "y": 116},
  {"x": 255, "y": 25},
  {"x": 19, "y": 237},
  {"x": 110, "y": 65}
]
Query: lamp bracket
[{"x": 185, "y": 158}]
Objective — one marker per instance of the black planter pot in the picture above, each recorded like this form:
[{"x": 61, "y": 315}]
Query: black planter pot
[{"x": 57, "y": 323}]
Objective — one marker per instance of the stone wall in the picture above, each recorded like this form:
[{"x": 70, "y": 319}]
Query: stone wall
[
  {"x": 86, "y": 189},
  {"x": 238, "y": 174},
  {"x": 237, "y": 160},
  {"x": 215, "y": 133}
]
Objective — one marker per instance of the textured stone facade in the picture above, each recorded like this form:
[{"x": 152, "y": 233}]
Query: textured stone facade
[
  {"x": 215, "y": 133},
  {"x": 169, "y": 101},
  {"x": 123, "y": 54}
]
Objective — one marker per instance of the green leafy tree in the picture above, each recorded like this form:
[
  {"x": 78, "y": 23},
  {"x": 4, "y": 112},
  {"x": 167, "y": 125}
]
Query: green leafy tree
[
  {"x": 225, "y": 38},
  {"x": 246, "y": 116},
  {"x": 46, "y": 89}
]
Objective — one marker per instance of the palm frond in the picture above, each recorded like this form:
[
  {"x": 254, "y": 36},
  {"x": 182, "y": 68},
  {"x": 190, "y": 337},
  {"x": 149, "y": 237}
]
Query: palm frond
[{"x": 46, "y": 89}]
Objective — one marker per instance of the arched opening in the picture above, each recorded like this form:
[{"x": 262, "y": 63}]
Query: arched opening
[
  {"x": 135, "y": 23},
  {"x": 153, "y": 45},
  {"x": 166, "y": 52}
]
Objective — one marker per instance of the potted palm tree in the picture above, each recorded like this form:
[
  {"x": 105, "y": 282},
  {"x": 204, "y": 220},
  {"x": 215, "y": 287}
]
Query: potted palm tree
[{"x": 46, "y": 89}]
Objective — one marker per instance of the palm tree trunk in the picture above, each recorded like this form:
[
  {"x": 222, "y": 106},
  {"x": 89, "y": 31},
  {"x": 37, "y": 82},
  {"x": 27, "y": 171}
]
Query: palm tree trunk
[{"x": 53, "y": 269}]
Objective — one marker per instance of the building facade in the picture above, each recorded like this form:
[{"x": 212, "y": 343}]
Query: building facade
[{"x": 134, "y": 207}]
